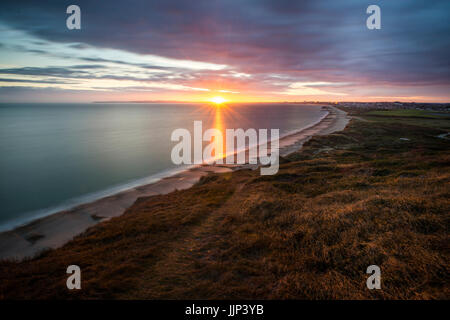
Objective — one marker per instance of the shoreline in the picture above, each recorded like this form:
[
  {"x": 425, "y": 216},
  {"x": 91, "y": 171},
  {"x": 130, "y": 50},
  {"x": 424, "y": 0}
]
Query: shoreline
[
  {"x": 68, "y": 204},
  {"x": 55, "y": 230}
]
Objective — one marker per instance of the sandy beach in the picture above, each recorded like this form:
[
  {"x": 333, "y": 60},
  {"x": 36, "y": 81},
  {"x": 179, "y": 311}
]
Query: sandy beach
[{"x": 55, "y": 230}]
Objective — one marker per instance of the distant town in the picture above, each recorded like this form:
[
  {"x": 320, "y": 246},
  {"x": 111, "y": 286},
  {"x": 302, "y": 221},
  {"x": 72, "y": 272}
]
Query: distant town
[{"x": 445, "y": 107}]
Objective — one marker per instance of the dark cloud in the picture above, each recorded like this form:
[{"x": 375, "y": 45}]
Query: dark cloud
[
  {"x": 89, "y": 72},
  {"x": 35, "y": 81},
  {"x": 129, "y": 63},
  {"x": 76, "y": 70},
  {"x": 323, "y": 40}
]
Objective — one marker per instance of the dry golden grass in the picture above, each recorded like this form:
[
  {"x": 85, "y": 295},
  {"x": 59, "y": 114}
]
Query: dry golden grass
[{"x": 347, "y": 201}]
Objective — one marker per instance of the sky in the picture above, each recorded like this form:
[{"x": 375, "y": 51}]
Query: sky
[{"x": 241, "y": 50}]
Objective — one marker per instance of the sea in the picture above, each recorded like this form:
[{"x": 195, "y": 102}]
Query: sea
[{"x": 54, "y": 156}]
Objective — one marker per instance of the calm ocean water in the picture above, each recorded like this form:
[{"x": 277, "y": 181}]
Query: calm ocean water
[{"x": 54, "y": 156}]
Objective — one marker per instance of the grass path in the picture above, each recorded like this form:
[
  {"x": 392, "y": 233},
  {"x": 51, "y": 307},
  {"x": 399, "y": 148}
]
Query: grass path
[{"x": 174, "y": 269}]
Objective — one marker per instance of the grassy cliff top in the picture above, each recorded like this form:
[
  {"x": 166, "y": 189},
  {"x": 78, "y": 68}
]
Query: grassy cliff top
[{"x": 376, "y": 193}]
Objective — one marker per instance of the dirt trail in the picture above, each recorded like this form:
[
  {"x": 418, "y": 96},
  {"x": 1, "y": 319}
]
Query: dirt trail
[{"x": 173, "y": 271}]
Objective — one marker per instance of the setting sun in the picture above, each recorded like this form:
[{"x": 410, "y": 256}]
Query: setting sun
[{"x": 218, "y": 100}]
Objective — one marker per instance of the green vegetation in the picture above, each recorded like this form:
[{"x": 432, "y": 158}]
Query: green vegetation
[
  {"x": 412, "y": 117},
  {"x": 348, "y": 200},
  {"x": 408, "y": 113}
]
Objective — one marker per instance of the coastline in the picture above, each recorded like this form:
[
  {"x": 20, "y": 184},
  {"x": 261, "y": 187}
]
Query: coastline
[{"x": 57, "y": 229}]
